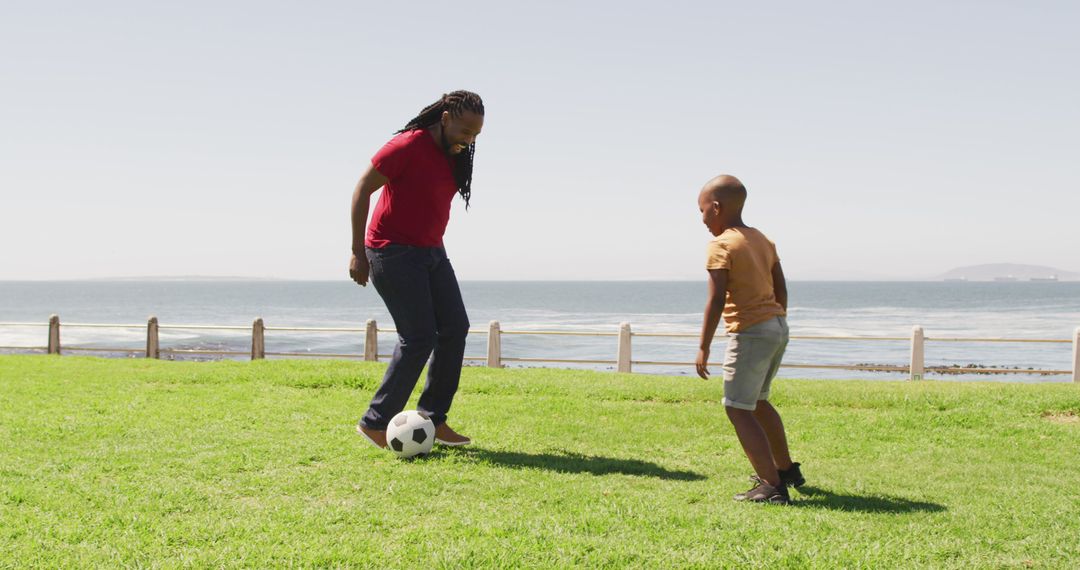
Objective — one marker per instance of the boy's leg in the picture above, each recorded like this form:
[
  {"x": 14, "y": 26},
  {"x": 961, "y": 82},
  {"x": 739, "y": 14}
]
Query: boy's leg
[
  {"x": 755, "y": 444},
  {"x": 746, "y": 367},
  {"x": 765, "y": 413},
  {"x": 773, "y": 426}
]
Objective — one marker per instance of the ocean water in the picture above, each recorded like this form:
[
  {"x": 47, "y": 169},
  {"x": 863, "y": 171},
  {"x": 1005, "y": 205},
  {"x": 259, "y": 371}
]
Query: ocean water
[{"x": 1048, "y": 310}]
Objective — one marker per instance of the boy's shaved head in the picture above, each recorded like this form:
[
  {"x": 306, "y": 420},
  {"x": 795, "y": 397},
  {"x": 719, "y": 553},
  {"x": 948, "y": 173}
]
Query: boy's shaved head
[
  {"x": 727, "y": 190},
  {"x": 721, "y": 203}
]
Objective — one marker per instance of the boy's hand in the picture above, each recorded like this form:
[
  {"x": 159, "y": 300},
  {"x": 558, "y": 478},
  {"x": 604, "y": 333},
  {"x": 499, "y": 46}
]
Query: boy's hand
[
  {"x": 702, "y": 362},
  {"x": 714, "y": 309}
]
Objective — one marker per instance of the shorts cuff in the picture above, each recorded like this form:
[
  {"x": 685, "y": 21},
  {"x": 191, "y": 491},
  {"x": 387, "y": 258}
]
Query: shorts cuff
[{"x": 739, "y": 405}]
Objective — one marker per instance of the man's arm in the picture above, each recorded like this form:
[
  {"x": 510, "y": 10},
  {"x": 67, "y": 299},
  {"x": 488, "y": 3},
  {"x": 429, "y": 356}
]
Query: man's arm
[
  {"x": 369, "y": 183},
  {"x": 779, "y": 285},
  {"x": 714, "y": 308}
]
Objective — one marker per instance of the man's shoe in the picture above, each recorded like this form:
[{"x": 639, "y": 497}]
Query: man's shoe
[
  {"x": 448, "y": 437},
  {"x": 764, "y": 493},
  {"x": 792, "y": 476},
  {"x": 376, "y": 437}
]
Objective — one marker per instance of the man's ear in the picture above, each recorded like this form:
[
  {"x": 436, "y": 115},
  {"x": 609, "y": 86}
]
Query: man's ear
[{"x": 445, "y": 118}]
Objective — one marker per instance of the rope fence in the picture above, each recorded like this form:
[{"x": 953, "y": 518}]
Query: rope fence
[{"x": 916, "y": 368}]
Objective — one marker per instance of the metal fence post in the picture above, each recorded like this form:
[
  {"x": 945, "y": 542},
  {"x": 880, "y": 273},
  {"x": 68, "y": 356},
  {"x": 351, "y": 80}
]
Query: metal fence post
[
  {"x": 1076, "y": 355},
  {"x": 918, "y": 355},
  {"x": 371, "y": 341},
  {"x": 494, "y": 349},
  {"x": 624, "y": 347},
  {"x": 258, "y": 339},
  {"x": 153, "y": 349},
  {"x": 54, "y": 334}
]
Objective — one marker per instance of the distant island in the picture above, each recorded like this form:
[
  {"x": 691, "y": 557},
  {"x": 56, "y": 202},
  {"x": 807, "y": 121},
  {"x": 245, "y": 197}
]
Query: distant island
[{"x": 1009, "y": 272}]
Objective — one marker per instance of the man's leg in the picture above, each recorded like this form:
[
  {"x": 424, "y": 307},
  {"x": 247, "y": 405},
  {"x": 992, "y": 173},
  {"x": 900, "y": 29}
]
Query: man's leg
[
  {"x": 452, "y": 326},
  {"x": 402, "y": 281},
  {"x": 755, "y": 444}
]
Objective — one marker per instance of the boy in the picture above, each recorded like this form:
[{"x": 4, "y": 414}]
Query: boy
[{"x": 747, "y": 287}]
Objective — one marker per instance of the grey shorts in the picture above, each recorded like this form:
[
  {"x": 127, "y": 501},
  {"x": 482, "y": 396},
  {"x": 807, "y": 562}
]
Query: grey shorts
[{"x": 751, "y": 362}]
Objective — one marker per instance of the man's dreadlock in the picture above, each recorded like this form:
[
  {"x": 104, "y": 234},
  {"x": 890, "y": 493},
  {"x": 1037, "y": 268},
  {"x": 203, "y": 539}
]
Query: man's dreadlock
[{"x": 456, "y": 103}]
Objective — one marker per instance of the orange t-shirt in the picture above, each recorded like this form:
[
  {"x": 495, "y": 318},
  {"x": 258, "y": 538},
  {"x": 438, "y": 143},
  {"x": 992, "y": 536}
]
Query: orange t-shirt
[{"x": 749, "y": 257}]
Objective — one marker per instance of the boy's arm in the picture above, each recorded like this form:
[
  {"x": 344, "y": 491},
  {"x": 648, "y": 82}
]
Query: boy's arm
[
  {"x": 779, "y": 285},
  {"x": 714, "y": 308}
]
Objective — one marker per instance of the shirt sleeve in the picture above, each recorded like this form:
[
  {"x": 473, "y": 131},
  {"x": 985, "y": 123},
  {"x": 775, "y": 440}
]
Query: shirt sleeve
[
  {"x": 718, "y": 256},
  {"x": 392, "y": 158}
]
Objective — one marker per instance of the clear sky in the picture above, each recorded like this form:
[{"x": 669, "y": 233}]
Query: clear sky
[{"x": 224, "y": 138}]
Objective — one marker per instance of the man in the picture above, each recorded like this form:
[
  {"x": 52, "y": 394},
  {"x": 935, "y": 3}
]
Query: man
[{"x": 421, "y": 168}]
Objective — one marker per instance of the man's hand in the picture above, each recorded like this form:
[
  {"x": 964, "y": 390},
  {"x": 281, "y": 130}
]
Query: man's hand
[
  {"x": 358, "y": 269},
  {"x": 358, "y": 214},
  {"x": 702, "y": 362}
]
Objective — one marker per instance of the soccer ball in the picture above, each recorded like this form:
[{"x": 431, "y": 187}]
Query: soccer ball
[{"x": 410, "y": 434}]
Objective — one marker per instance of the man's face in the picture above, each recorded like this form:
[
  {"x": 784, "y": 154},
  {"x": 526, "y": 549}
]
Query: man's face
[
  {"x": 461, "y": 131},
  {"x": 710, "y": 213}
]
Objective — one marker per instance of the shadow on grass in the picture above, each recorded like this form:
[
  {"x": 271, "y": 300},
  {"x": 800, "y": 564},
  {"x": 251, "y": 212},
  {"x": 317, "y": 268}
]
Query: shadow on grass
[
  {"x": 566, "y": 462},
  {"x": 814, "y": 497}
]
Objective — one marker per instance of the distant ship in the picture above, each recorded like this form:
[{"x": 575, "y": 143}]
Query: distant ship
[
  {"x": 1051, "y": 278},
  {"x": 956, "y": 278},
  {"x": 1006, "y": 278}
]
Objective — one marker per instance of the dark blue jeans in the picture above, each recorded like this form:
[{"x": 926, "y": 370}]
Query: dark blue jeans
[{"x": 421, "y": 292}]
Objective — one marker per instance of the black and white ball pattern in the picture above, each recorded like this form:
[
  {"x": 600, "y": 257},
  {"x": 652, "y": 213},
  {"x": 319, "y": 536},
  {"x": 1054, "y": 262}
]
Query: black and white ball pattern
[{"x": 410, "y": 434}]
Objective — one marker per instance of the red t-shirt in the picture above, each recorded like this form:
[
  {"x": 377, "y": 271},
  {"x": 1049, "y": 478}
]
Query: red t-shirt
[{"x": 415, "y": 204}]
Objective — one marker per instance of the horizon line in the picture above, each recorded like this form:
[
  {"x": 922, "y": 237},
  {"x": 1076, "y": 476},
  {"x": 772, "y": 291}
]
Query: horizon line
[{"x": 210, "y": 279}]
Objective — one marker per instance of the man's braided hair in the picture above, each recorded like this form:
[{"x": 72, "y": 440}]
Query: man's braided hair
[{"x": 456, "y": 103}]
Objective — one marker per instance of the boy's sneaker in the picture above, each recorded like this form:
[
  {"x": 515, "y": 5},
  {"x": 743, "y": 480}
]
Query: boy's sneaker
[
  {"x": 764, "y": 493},
  {"x": 792, "y": 476}
]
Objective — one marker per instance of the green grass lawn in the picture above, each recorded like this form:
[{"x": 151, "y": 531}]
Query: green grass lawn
[{"x": 163, "y": 464}]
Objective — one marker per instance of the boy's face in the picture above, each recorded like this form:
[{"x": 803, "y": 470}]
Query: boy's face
[{"x": 710, "y": 213}]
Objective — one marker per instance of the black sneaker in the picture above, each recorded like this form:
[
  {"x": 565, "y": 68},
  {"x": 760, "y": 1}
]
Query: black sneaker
[
  {"x": 764, "y": 493},
  {"x": 792, "y": 476}
]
